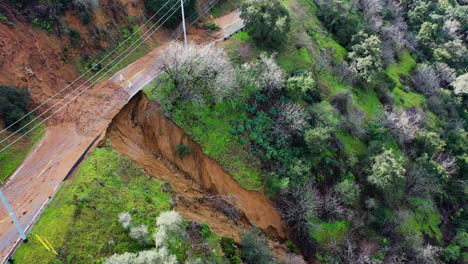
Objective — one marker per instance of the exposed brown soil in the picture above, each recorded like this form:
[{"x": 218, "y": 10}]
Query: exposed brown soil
[{"x": 141, "y": 132}]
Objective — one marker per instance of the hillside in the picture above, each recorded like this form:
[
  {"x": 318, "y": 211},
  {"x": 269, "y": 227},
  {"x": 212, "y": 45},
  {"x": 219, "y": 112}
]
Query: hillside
[{"x": 323, "y": 132}]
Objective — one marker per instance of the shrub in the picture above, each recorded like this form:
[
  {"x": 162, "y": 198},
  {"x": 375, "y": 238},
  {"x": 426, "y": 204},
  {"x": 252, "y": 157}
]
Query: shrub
[
  {"x": 229, "y": 247},
  {"x": 125, "y": 219},
  {"x": 342, "y": 102},
  {"x": 328, "y": 233},
  {"x": 13, "y": 104},
  {"x": 255, "y": 249},
  {"x": 183, "y": 150},
  {"x": 267, "y": 21},
  {"x": 140, "y": 233},
  {"x": 211, "y": 26},
  {"x": 205, "y": 231}
]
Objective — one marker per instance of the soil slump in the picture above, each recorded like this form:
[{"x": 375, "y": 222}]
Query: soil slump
[{"x": 141, "y": 132}]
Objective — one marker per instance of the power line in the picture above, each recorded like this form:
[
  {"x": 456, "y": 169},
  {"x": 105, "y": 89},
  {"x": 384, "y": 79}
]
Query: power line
[
  {"x": 97, "y": 122},
  {"x": 99, "y": 78},
  {"x": 82, "y": 75}
]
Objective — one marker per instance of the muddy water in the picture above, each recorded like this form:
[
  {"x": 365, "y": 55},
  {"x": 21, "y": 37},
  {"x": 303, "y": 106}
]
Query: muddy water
[{"x": 141, "y": 132}]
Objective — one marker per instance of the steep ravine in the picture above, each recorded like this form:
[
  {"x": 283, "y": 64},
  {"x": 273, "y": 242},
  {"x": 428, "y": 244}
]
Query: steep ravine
[{"x": 141, "y": 132}]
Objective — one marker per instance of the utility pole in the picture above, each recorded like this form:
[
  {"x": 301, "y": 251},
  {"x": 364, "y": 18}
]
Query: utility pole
[
  {"x": 183, "y": 23},
  {"x": 13, "y": 217}
]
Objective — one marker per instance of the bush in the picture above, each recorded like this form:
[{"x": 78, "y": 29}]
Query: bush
[
  {"x": 183, "y": 150},
  {"x": 211, "y": 26},
  {"x": 328, "y": 233},
  {"x": 205, "y": 231},
  {"x": 267, "y": 21},
  {"x": 229, "y": 247},
  {"x": 255, "y": 249},
  {"x": 13, "y": 104}
]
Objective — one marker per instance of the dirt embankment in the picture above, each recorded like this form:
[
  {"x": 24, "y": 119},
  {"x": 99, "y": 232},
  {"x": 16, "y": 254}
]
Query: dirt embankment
[{"x": 141, "y": 132}]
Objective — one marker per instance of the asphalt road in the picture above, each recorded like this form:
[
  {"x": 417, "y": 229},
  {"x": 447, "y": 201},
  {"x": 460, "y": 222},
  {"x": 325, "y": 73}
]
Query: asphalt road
[{"x": 36, "y": 181}]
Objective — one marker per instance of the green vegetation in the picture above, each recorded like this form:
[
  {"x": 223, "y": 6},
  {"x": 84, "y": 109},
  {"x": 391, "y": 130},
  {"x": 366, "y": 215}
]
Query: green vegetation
[
  {"x": 267, "y": 21},
  {"x": 81, "y": 222},
  {"x": 326, "y": 233},
  {"x": 12, "y": 158},
  {"x": 295, "y": 59},
  {"x": 5, "y": 20}
]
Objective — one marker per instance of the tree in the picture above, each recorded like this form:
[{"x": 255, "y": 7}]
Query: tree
[
  {"x": 317, "y": 139},
  {"x": 267, "y": 21},
  {"x": 404, "y": 125},
  {"x": 387, "y": 170},
  {"x": 199, "y": 74},
  {"x": 13, "y": 104},
  {"x": 366, "y": 55},
  {"x": 153, "y": 6},
  {"x": 299, "y": 85},
  {"x": 264, "y": 73},
  {"x": 292, "y": 119},
  {"x": 255, "y": 249},
  {"x": 425, "y": 80},
  {"x": 460, "y": 85}
]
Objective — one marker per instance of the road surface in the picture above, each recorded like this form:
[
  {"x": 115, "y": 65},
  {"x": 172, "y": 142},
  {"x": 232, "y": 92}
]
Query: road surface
[{"x": 64, "y": 145}]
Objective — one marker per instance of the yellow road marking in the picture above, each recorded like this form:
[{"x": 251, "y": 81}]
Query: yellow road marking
[
  {"x": 43, "y": 243},
  {"x": 50, "y": 245},
  {"x": 47, "y": 166},
  {"x": 3, "y": 220},
  {"x": 131, "y": 78}
]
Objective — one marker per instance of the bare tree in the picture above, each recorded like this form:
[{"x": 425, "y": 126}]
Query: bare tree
[
  {"x": 292, "y": 119},
  {"x": 404, "y": 125},
  {"x": 425, "y": 80}
]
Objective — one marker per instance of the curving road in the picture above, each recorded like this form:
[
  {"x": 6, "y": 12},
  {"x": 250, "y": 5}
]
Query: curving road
[{"x": 63, "y": 147}]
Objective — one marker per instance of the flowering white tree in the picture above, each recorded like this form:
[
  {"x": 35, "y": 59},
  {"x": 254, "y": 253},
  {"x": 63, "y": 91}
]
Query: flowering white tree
[
  {"x": 265, "y": 73},
  {"x": 201, "y": 74},
  {"x": 404, "y": 125},
  {"x": 460, "y": 85},
  {"x": 170, "y": 227}
]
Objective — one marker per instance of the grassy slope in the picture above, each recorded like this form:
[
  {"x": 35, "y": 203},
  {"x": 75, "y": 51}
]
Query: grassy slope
[
  {"x": 12, "y": 158},
  {"x": 81, "y": 222}
]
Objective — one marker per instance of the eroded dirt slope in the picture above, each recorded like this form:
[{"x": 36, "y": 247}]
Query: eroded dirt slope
[{"x": 141, "y": 132}]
